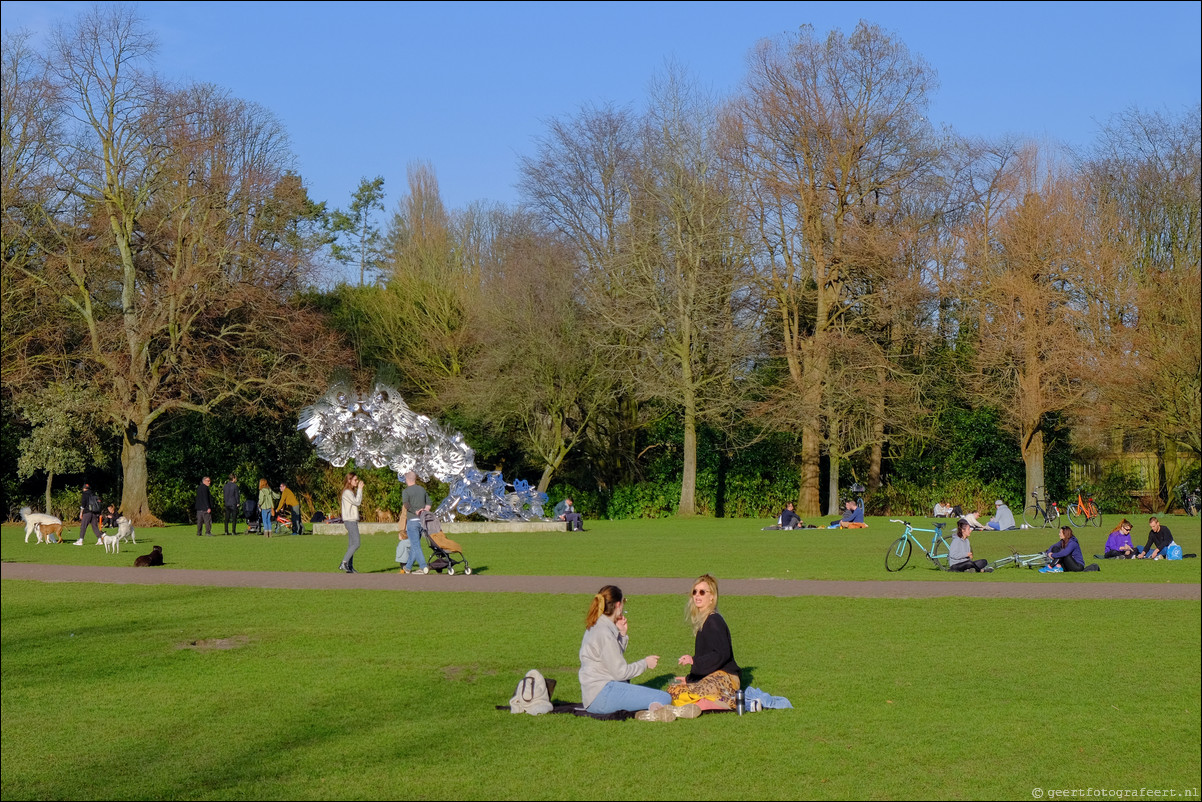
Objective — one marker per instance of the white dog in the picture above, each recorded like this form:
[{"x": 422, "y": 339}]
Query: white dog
[
  {"x": 112, "y": 543},
  {"x": 34, "y": 520},
  {"x": 125, "y": 530}
]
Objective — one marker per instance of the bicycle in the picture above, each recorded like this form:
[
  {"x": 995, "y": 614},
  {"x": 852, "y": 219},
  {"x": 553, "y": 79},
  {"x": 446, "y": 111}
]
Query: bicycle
[
  {"x": 1189, "y": 501},
  {"x": 1021, "y": 560},
  {"x": 1084, "y": 512},
  {"x": 1041, "y": 513},
  {"x": 899, "y": 552}
]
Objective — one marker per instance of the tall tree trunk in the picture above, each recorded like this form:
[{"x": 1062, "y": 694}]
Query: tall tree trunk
[
  {"x": 688, "y": 479},
  {"x": 135, "y": 505},
  {"x": 878, "y": 438},
  {"x": 1033, "y": 460},
  {"x": 809, "y": 502},
  {"x": 49, "y": 481},
  {"x": 832, "y": 495}
]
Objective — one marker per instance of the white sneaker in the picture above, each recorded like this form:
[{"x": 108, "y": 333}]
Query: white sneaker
[
  {"x": 426, "y": 569},
  {"x": 79, "y": 542}
]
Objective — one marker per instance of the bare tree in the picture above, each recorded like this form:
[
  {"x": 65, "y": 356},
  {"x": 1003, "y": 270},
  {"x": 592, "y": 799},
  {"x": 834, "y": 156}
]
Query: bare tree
[
  {"x": 1032, "y": 344},
  {"x": 174, "y": 246},
  {"x": 579, "y": 184},
  {"x": 828, "y": 127},
  {"x": 680, "y": 309},
  {"x": 541, "y": 376}
]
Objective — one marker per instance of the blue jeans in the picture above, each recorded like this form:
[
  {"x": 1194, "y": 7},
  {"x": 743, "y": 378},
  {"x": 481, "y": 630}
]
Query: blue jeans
[
  {"x": 266, "y": 514},
  {"x": 617, "y": 696},
  {"x": 413, "y": 528}
]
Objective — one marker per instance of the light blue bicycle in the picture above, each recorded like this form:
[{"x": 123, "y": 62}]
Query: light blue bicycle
[{"x": 899, "y": 552}]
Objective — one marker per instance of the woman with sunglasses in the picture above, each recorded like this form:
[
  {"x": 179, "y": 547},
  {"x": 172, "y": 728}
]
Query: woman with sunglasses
[
  {"x": 714, "y": 674},
  {"x": 604, "y": 672},
  {"x": 1119, "y": 545}
]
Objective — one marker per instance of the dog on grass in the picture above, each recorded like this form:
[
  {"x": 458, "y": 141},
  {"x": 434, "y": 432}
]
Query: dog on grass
[
  {"x": 111, "y": 543},
  {"x": 383, "y": 516},
  {"x": 125, "y": 530},
  {"x": 34, "y": 521},
  {"x": 147, "y": 560},
  {"x": 49, "y": 533}
]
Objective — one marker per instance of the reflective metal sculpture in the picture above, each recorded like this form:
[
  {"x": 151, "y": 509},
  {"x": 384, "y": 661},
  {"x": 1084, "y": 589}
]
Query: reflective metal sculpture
[{"x": 380, "y": 430}]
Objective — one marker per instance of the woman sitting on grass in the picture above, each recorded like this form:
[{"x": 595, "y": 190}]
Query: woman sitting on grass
[
  {"x": 1064, "y": 554},
  {"x": 1119, "y": 545},
  {"x": 604, "y": 672},
  {"x": 959, "y": 552},
  {"x": 715, "y": 674}
]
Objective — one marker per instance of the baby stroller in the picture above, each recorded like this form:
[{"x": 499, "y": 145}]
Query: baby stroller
[
  {"x": 250, "y": 512},
  {"x": 442, "y": 547}
]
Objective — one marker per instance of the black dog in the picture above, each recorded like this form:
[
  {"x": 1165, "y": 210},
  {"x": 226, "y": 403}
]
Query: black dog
[{"x": 154, "y": 558}]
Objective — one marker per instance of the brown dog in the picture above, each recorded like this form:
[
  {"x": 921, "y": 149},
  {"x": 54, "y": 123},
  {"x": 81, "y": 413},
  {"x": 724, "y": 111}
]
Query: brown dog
[
  {"x": 383, "y": 516},
  {"x": 147, "y": 560},
  {"x": 47, "y": 531}
]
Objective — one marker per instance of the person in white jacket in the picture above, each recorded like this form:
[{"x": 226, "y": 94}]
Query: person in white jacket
[
  {"x": 352, "y": 499},
  {"x": 604, "y": 672}
]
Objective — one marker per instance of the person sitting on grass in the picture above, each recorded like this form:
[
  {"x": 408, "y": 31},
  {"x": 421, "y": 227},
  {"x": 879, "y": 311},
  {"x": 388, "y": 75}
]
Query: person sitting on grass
[
  {"x": 1159, "y": 539},
  {"x": 788, "y": 519},
  {"x": 1119, "y": 545},
  {"x": 974, "y": 521},
  {"x": 959, "y": 552},
  {"x": 853, "y": 517},
  {"x": 942, "y": 510},
  {"x": 1003, "y": 519},
  {"x": 604, "y": 673},
  {"x": 1064, "y": 554},
  {"x": 715, "y": 676}
]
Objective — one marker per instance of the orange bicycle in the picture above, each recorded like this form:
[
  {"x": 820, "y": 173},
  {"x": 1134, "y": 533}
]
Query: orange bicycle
[{"x": 1084, "y": 512}]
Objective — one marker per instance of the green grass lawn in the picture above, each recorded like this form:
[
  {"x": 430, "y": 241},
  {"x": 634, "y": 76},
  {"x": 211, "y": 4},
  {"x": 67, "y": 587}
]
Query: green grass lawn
[
  {"x": 728, "y": 548},
  {"x": 367, "y": 694}
]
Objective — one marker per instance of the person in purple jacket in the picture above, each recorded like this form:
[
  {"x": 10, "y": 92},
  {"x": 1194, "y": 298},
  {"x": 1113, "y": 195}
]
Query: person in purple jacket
[
  {"x": 1064, "y": 554},
  {"x": 1119, "y": 545}
]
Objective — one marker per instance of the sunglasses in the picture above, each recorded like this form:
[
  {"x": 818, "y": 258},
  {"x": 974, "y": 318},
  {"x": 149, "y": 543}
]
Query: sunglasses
[{"x": 700, "y": 591}]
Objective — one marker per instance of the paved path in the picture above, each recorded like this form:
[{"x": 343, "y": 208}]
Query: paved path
[{"x": 491, "y": 583}]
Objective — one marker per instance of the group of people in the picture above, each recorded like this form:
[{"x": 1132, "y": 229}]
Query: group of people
[
  {"x": 1065, "y": 554},
  {"x": 415, "y": 503},
  {"x": 270, "y": 503},
  {"x": 713, "y": 681},
  {"x": 1120, "y": 547},
  {"x": 1002, "y": 520}
]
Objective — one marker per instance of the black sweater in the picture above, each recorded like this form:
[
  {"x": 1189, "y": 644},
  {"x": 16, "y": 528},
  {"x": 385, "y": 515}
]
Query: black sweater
[{"x": 712, "y": 650}]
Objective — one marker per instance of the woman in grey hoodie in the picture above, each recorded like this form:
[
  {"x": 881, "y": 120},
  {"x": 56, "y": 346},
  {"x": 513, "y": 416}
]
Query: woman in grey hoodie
[{"x": 604, "y": 672}]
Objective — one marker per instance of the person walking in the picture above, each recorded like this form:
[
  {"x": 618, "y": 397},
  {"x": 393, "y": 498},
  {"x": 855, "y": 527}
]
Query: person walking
[
  {"x": 204, "y": 508},
  {"x": 89, "y": 513},
  {"x": 231, "y": 497},
  {"x": 414, "y": 500},
  {"x": 352, "y": 499}
]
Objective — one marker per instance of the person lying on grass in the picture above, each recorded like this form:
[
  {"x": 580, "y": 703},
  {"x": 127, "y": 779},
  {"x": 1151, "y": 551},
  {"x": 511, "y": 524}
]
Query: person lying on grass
[
  {"x": 959, "y": 552},
  {"x": 715, "y": 675},
  {"x": 1119, "y": 545},
  {"x": 604, "y": 673}
]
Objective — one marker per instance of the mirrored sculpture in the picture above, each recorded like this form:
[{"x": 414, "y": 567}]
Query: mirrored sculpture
[{"x": 380, "y": 430}]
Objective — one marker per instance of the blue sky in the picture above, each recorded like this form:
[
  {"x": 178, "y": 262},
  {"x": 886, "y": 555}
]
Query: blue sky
[{"x": 365, "y": 88}]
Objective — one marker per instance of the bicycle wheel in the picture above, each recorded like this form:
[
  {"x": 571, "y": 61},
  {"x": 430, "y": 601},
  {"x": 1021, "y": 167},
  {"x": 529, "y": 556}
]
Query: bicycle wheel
[
  {"x": 1093, "y": 515},
  {"x": 1033, "y": 517},
  {"x": 1076, "y": 516},
  {"x": 898, "y": 554}
]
